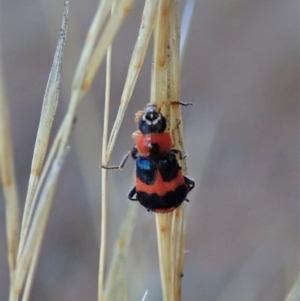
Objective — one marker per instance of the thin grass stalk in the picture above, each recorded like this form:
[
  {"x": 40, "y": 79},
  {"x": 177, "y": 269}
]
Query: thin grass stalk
[
  {"x": 31, "y": 272},
  {"x": 158, "y": 83},
  {"x": 90, "y": 41},
  {"x": 163, "y": 228},
  {"x": 47, "y": 166},
  {"x": 178, "y": 228},
  {"x": 32, "y": 244},
  {"x": 47, "y": 116},
  {"x": 65, "y": 128},
  {"x": 174, "y": 80},
  {"x": 48, "y": 111},
  {"x": 39, "y": 222},
  {"x": 80, "y": 83},
  {"x": 166, "y": 86},
  {"x": 120, "y": 254},
  {"x": 58, "y": 146},
  {"x": 115, "y": 286},
  {"x": 104, "y": 178},
  {"x": 137, "y": 59},
  {"x": 8, "y": 182},
  {"x": 57, "y": 151},
  {"x": 158, "y": 95},
  {"x": 121, "y": 10},
  {"x": 36, "y": 252}
]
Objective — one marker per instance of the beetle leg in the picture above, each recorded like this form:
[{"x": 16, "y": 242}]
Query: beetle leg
[
  {"x": 132, "y": 194},
  {"x": 189, "y": 183}
]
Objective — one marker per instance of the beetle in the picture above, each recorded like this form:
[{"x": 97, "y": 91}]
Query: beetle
[{"x": 160, "y": 184}]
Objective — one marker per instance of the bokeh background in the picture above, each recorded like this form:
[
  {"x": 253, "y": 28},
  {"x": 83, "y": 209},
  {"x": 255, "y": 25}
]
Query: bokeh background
[{"x": 241, "y": 71}]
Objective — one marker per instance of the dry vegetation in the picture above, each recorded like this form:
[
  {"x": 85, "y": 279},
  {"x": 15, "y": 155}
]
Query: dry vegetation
[
  {"x": 160, "y": 19},
  {"x": 25, "y": 230}
]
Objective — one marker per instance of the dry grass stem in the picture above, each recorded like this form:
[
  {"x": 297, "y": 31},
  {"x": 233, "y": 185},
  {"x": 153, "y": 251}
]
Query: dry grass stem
[
  {"x": 47, "y": 116},
  {"x": 166, "y": 87},
  {"x": 30, "y": 244},
  {"x": 40, "y": 218},
  {"x": 121, "y": 10},
  {"x": 115, "y": 288},
  {"x": 116, "y": 277},
  {"x": 31, "y": 271},
  {"x": 88, "y": 61},
  {"x": 163, "y": 222},
  {"x": 159, "y": 76},
  {"x": 133, "y": 71},
  {"x": 57, "y": 152},
  {"x": 8, "y": 182},
  {"x": 160, "y": 17},
  {"x": 137, "y": 59},
  {"x": 104, "y": 177},
  {"x": 90, "y": 41},
  {"x": 35, "y": 233},
  {"x": 178, "y": 227}
]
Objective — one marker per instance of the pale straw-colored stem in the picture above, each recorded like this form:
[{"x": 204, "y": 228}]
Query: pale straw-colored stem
[
  {"x": 90, "y": 62},
  {"x": 31, "y": 271},
  {"x": 158, "y": 95},
  {"x": 104, "y": 178},
  {"x": 45, "y": 126},
  {"x": 39, "y": 221},
  {"x": 90, "y": 41},
  {"x": 163, "y": 222},
  {"x": 115, "y": 287},
  {"x": 160, "y": 53},
  {"x": 47, "y": 116},
  {"x": 137, "y": 59},
  {"x": 120, "y": 12},
  {"x": 178, "y": 226},
  {"x": 43, "y": 187},
  {"x": 117, "y": 274},
  {"x": 8, "y": 183},
  {"x": 166, "y": 87}
]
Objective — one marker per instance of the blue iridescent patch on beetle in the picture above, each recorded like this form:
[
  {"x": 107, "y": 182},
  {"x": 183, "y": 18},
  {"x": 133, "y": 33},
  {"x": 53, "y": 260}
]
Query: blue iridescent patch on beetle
[{"x": 146, "y": 170}]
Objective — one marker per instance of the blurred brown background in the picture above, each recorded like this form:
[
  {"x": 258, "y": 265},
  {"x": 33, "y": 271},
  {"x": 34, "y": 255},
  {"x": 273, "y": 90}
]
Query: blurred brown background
[{"x": 241, "y": 71}]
